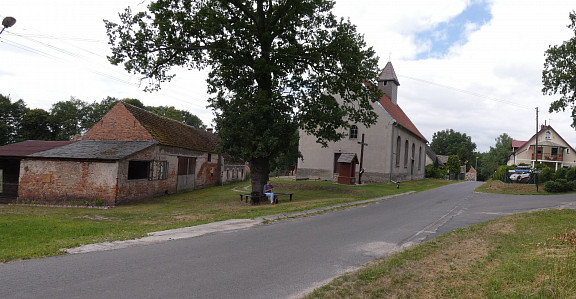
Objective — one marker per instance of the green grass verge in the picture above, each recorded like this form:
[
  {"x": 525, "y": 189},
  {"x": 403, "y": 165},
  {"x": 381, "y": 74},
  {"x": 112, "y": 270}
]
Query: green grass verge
[
  {"x": 32, "y": 232},
  {"x": 519, "y": 189},
  {"x": 521, "y": 256}
]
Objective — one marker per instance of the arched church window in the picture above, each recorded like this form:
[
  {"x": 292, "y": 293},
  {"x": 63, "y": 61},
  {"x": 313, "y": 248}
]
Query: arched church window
[{"x": 398, "y": 144}]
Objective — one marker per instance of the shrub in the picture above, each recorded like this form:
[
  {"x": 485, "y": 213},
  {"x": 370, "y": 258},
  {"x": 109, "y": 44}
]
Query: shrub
[
  {"x": 552, "y": 187},
  {"x": 546, "y": 175},
  {"x": 559, "y": 185},
  {"x": 571, "y": 174},
  {"x": 560, "y": 173},
  {"x": 501, "y": 173}
]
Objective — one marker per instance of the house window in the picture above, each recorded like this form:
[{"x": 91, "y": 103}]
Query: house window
[
  {"x": 548, "y": 135},
  {"x": 152, "y": 170},
  {"x": 406, "y": 154},
  {"x": 209, "y": 157},
  {"x": 138, "y": 170},
  {"x": 398, "y": 152},
  {"x": 353, "y": 132}
]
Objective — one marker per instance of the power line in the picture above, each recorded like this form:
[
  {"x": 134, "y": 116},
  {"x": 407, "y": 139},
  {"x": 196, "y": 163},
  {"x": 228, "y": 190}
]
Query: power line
[{"x": 472, "y": 93}]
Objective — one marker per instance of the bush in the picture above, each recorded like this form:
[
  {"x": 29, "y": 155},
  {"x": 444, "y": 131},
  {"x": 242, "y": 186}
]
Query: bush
[
  {"x": 559, "y": 185},
  {"x": 552, "y": 187},
  {"x": 560, "y": 173},
  {"x": 571, "y": 174},
  {"x": 433, "y": 172},
  {"x": 501, "y": 173},
  {"x": 546, "y": 175}
]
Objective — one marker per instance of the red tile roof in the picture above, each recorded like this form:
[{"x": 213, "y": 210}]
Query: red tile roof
[
  {"x": 399, "y": 116},
  {"x": 174, "y": 133},
  {"x": 518, "y": 143},
  {"x": 29, "y": 147}
]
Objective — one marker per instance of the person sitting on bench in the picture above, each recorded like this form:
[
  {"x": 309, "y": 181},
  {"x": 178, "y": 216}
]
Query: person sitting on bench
[{"x": 268, "y": 191}]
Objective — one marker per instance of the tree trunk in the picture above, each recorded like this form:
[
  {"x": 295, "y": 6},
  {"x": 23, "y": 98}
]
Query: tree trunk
[{"x": 259, "y": 170}]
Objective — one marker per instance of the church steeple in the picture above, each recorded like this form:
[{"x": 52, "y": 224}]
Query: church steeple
[{"x": 388, "y": 82}]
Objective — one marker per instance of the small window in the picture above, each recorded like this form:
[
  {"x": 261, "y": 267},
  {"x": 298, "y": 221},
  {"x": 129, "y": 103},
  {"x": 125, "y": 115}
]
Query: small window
[
  {"x": 138, "y": 170},
  {"x": 209, "y": 157},
  {"x": 406, "y": 154},
  {"x": 398, "y": 151},
  {"x": 548, "y": 135},
  {"x": 353, "y": 132},
  {"x": 420, "y": 158}
]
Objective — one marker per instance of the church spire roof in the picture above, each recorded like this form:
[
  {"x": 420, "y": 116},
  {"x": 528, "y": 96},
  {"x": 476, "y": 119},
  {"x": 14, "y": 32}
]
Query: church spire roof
[{"x": 388, "y": 74}]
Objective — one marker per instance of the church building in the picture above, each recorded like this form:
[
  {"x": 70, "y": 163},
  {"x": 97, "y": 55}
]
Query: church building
[{"x": 392, "y": 150}]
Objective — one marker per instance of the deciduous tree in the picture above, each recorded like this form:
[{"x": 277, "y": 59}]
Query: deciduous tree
[
  {"x": 275, "y": 66},
  {"x": 450, "y": 142},
  {"x": 559, "y": 74}
]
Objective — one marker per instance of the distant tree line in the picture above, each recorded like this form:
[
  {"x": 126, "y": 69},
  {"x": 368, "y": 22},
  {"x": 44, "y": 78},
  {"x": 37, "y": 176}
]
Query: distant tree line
[
  {"x": 68, "y": 118},
  {"x": 462, "y": 151}
]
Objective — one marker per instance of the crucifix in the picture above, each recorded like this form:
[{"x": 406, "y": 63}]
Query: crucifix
[{"x": 362, "y": 144}]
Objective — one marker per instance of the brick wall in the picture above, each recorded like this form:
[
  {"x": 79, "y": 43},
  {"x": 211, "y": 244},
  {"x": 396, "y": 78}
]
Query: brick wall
[
  {"x": 67, "y": 182},
  {"x": 141, "y": 189},
  {"x": 118, "y": 124}
]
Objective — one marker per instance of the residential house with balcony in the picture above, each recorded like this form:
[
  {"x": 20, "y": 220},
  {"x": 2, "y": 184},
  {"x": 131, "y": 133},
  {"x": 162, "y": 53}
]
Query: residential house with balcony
[{"x": 550, "y": 149}]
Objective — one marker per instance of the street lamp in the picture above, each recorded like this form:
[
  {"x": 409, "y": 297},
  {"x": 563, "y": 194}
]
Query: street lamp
[{"x": 7, "y": 23}]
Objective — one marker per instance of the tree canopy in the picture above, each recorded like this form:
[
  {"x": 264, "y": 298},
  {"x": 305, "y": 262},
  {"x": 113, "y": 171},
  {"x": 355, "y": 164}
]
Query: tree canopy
[
  {"x": 497, "y": 156},
  {"x": 67, "y": 118},
  {"x": 559, "y": 74},
  {"x": 449, "y": 142},
  {"x": 275, "y": 67}
]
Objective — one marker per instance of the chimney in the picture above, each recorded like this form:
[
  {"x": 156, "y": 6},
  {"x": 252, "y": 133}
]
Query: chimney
[{"x": 210, "y": 130}]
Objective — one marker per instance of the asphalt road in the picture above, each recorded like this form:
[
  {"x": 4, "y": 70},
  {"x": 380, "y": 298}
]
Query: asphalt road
[{"x": 282, "y": 259}]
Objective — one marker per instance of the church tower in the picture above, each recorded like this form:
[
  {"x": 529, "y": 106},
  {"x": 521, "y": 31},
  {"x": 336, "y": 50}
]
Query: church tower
[{"x": 388, "y": 82}]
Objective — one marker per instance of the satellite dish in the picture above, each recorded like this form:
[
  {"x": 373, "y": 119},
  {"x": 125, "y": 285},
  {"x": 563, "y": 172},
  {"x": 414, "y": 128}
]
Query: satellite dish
[{"x": 8, "y": 22}]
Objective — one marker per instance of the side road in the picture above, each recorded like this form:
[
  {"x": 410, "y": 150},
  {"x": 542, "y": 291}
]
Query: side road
[{"x": 221, "y": 226}]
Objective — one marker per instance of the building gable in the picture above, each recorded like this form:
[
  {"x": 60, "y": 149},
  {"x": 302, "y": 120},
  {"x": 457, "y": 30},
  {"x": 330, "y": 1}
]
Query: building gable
[
  {"x": 118, "y": 124},
  {"x": 128, "y": 122}
]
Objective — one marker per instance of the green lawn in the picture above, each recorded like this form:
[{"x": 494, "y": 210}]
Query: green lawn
[{"x": 32, "y": 232}]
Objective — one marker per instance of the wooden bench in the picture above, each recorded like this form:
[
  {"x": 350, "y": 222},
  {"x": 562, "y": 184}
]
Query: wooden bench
[{"x": 255, "y": 199}]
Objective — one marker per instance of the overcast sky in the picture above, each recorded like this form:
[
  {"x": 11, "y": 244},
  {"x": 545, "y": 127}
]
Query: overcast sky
[{"x": 473, "y": 66}]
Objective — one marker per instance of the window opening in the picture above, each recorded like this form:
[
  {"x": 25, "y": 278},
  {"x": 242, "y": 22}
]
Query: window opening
[
  {"x": 406, "y": 154},
  {"x": 398, "y": 152},
  {"x": 353, "y": 132},
  {"x": 138, "y": 170}
]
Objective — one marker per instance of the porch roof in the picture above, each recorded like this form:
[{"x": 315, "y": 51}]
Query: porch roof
[
  {"x": 348, "y": 158},
  {"x": 549, "y": 143}
]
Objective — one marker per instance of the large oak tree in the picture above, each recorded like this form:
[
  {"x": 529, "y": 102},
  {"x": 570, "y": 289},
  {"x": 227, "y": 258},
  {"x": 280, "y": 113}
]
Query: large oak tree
[
  {"x": 275, "y": 66},
  {"x": 559, "y": 74}
]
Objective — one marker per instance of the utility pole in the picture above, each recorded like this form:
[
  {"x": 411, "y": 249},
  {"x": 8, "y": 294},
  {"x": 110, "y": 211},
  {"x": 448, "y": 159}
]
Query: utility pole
[
  {"x": 362, "y": 144},
  {"x": 536, "y": 151}
]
